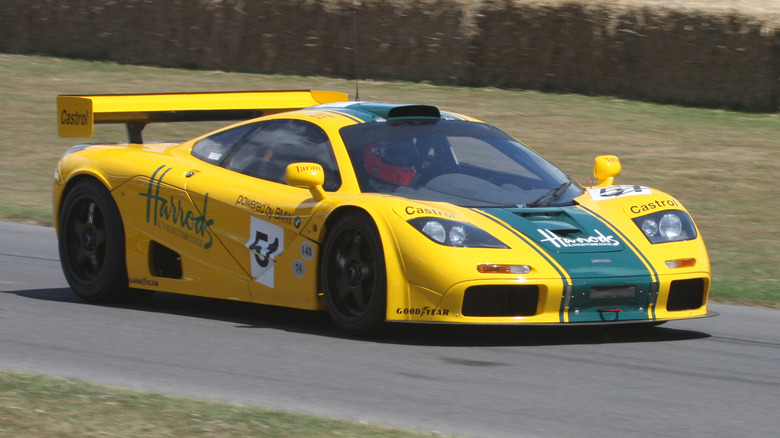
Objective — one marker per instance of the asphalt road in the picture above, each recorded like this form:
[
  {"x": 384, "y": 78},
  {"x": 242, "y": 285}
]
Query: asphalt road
[{"x": 716, "y": 377}]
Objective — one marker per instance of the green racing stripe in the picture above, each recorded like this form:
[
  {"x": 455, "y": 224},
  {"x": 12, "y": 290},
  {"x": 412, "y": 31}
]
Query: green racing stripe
[{"x": 609, "y": 278}]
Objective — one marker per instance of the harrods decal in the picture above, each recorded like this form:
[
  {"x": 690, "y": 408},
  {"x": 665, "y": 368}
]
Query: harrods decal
[
  {"x": 168, "y": 213},
  {"x": 598, "y": 239}
]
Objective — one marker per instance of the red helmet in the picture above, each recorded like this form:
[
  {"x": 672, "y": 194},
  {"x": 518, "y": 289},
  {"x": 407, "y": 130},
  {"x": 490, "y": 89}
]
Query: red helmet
[{"x": 392, "y": 163}]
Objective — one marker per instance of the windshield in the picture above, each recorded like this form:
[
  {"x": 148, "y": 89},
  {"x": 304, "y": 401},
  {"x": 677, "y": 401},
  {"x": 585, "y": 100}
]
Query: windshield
[{"x": 464, "y": 163}]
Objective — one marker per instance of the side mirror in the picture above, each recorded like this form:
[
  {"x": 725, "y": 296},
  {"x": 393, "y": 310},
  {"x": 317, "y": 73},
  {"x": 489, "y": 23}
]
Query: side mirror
[
  {"x": 309, "y": 175},
  {"x": 605, "y": 169}
]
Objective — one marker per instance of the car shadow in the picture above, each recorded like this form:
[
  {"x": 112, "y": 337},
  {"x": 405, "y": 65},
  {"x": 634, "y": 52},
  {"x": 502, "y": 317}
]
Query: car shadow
[{"x": 250, "y": 315}]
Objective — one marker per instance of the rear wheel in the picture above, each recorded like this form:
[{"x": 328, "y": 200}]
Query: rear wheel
[
  {"x": 92, "y": 245},
  {"x": 352, "y": 273}
]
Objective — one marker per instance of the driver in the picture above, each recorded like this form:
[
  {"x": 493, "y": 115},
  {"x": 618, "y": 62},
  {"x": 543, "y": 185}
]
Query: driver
[{"x": 392, "y": 162}]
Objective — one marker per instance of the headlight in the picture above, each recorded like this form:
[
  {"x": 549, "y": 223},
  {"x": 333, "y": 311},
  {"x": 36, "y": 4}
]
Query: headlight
[
  {"x": 452, "y": 233},
  {"x": 670, "y": 226},
  {"x": 667, "y": 226}
]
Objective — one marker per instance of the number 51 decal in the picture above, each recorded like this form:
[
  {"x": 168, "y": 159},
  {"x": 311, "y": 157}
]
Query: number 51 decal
[
  {"x": 612, "y": 192},
  {"x": 265, "y": 243}
]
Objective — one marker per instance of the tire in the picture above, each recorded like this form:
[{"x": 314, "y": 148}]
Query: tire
[
  {"x": 92, "y": 245},
  {"x": 353, "y": 275}
]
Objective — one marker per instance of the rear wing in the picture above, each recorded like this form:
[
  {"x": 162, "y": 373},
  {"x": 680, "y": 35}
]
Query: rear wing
[{"x": 77, "y": 114}]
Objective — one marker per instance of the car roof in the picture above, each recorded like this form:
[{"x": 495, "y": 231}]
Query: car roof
[{"x": 390, "y": 112}]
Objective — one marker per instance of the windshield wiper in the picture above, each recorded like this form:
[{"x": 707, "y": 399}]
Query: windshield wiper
[{"x": 551, "y": 196}]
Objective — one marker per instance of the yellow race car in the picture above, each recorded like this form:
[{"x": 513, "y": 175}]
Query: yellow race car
[{"x": 372, "y": 211}]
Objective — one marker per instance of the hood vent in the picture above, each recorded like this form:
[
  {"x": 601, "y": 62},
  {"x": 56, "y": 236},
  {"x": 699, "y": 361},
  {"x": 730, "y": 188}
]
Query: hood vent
[{"x": 556, "y": 222}]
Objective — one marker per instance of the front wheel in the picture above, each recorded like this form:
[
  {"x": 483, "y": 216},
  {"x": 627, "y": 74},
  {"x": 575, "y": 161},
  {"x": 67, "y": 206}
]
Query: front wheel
[
  {"x": 353, "y": 275},
  {"x": 92, "y": 244}
]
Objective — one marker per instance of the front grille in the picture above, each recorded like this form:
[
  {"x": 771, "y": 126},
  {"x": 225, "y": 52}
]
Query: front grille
[
  {"x": 509, "y": 300},
  {"x": 600, "y": 292},
  {"x": 686, "y": 294}
]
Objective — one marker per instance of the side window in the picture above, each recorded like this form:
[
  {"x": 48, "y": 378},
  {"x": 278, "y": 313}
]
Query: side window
[
  {"x": 267, "y": 152},
  {"x": 214, "y": 148}
]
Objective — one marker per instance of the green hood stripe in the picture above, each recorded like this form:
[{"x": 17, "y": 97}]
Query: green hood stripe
[
  {"x": 575, "y": 257},
  {"x": 581, "y": 268},
  {"x": 635, "y": 249},
  {"x": 625, "y": 240}
]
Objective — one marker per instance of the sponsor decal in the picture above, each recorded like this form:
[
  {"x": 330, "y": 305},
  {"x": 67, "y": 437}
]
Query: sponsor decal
[
  {"x": 147, "y": 282},
  {"x": 265, "y": 243},
  {"x": 307, "y": 167},
  {"x": 598, "y": 239},
  {"x": 298, "y": 268},
  {"x": 75, "y": 118},
  {"x": 657, "y": 204},
  {"x": 168, "y": 213},
  {"x": 613, "y": 192},
  {"x": 307, "y": 250},
  {"x": 422, "y": 311},
  {"x": 412, "y": 211},
  {"x": 269, "y": 211}
]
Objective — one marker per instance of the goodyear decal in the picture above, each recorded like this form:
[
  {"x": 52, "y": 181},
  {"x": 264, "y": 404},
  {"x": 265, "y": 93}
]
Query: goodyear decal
[
  {"x": 421, "y": 312},
  {"x": 143, "y": 282}
]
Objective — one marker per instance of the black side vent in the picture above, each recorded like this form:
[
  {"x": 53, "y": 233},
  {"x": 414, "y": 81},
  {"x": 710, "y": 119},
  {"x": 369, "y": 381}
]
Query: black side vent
[
  {"x": 501, "y": 300},
  {"x": 686, "y": 294},
  {"x": 163, "y": 261}
]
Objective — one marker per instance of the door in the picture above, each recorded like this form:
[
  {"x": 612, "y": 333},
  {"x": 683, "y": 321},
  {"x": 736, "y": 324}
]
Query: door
[{"x": 258, "y": 217}]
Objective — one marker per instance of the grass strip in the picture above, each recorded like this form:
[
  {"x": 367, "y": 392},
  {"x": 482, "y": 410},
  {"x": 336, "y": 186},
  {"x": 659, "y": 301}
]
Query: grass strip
[{"x": 47, "y": 407}]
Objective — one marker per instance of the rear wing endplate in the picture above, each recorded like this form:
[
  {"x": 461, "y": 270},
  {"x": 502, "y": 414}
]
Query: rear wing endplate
[{"x": 77, "y": 114}]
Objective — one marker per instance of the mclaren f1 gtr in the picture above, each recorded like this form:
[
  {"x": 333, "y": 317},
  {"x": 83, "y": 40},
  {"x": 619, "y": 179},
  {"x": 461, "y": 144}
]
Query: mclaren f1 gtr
[{"x": 373, "y": 211}]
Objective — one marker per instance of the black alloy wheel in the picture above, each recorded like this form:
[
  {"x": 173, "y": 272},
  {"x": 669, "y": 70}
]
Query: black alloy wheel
[
  {"x": 353, "y": 275},
  {"x": 92, "y": 244}
]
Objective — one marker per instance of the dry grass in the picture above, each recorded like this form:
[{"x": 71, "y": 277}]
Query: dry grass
[
  {"x": 764, "y": 9},
  {"x": 44, "y": 407}
]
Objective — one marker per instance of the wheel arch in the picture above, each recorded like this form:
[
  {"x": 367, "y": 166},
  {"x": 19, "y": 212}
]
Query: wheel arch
[
  {"x": 74, "y": 179},
  {"x": 103, "y": 277},
  {"x": 397, "y": 285}
]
